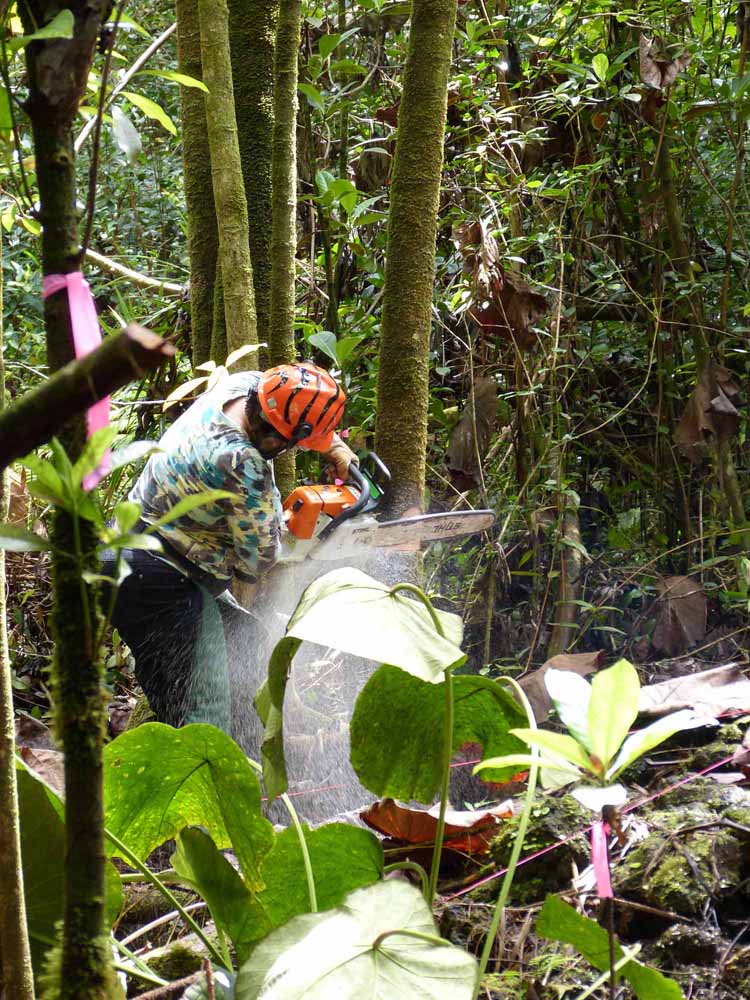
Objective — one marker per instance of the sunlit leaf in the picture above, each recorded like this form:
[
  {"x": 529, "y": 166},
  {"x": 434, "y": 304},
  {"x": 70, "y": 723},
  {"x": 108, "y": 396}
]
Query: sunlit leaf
[
  {"x": 152, "y": 110},
  {"x": 646, "y": 739},
  {"x": 182, "y": 78},
  {"x": 15, "y": 539},
  {"x": 61, "y": 26},
  {"x": 189, "y": 503},
  {"x": 570, "y": 695},
  {"x": 613, "y": 709}
]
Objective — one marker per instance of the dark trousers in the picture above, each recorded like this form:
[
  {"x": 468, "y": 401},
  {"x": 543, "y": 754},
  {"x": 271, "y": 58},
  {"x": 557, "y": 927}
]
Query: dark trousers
[{"x": 174, "y": 630}]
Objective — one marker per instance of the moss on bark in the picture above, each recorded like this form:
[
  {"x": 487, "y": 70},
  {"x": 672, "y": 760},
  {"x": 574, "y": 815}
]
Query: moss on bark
[
  {"x": 226, "y": 176},
  {"x": 252, "y": 39},
  {"x": 203, "y": 236},
  {"x": 401, "y": 429}
]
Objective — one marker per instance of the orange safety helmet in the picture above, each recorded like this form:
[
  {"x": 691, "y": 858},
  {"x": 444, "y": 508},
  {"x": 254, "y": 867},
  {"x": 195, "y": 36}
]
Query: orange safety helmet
[{"x": 303, "y": 403}]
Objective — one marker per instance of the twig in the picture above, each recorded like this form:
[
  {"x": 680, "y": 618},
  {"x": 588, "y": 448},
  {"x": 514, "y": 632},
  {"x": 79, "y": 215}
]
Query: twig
[
  {"x": 142, "y": 280},
  {"x": 173, "y": 990}
]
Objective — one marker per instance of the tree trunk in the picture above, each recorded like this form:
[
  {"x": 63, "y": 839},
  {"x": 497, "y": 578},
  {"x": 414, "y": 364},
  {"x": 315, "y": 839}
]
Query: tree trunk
[
  {"x": 203, "y": 236},
  {"x": 226, "y": 176},
  {"x": 284, "y": 232},
  {"x": 18, "y": 979},
  {"x": 252, "y": 40},
  {"x": 401, "y": 429},
  {"x": 57, "y": 75}
]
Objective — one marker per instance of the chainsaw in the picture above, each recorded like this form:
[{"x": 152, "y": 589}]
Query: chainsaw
[{"x": 333, "y": 522}]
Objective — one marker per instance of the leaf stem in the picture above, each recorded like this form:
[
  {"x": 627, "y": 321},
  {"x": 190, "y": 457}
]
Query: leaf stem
[
  {"x": 523, "y": 825},
  {"x": 420, "y": 935},
  {"x": 410, "y": 866}
]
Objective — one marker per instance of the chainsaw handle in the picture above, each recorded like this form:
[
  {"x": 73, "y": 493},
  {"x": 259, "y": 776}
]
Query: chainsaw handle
[{"x": 355, "y": 477}]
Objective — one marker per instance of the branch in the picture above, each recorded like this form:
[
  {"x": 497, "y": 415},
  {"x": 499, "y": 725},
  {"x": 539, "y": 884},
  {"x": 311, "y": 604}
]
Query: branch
[
  {"x": 141, "y": 280},
  {"x": 39, "y": 414}
]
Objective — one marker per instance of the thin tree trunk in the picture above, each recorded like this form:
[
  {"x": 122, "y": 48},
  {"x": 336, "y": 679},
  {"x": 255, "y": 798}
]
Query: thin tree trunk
[
  {"x": 57, "y": 75},
  {"x": 226, "y": 176},
  {"x": 284, "y": 232},
  {"x": 252, "y": 38},
  {"x": 203, "y": 236},
  {"x": 401, "y": 430},
  {"x": 18, "y": 978}
]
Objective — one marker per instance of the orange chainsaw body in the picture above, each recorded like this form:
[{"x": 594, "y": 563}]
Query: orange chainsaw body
[{"x": 303, "y": 507}]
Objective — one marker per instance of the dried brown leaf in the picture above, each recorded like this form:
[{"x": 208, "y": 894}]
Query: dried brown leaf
[
  {"x": 535, "y": 688},
  {"x": 657, "y": 72},
  {"x": 711, "y": 416},
  {"x": 721, "y": 689},
  {"x": 471, "y": 436},
  {"x": 683, "y": 610},
  {"x": 469, "y": 830},
  {"x": 48, "y": 764}
]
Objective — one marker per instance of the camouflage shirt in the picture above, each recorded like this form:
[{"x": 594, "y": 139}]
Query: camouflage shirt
[{"x": 203, "y": 450}]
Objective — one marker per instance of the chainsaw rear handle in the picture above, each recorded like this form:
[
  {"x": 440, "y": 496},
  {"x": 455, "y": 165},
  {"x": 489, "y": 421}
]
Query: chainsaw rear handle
[{"x": 355, "y": 477}]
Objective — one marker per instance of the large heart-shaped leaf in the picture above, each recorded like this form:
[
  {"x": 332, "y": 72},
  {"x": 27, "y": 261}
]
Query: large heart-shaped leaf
[
  {"x": 396, "y": 731},
  {"x": 342, "y": 858},
  {"x": 353, "y": 612},
  {"x": 342, "y": 953},
  {"x": 42, "y": 816},
  {"x": 158, "y": 780}
]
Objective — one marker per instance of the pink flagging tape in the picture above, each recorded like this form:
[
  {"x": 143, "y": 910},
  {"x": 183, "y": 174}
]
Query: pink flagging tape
[
  {"x": 87, "y": 335},
  {"x": 599, "y": 833}
]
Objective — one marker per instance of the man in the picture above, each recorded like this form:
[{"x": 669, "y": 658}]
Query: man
[{"x": 166, "y": 609}]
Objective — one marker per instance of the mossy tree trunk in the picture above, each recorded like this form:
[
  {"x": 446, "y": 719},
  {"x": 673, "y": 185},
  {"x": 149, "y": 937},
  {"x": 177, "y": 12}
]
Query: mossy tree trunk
[
  {"x": 226, "y": 176},
  {"x": 252, "y": 25},
  {"x": 18, "y": 979},
  {"x": 203, "y": 236},
  {"x": 57, "y": 75},
  {"x": 284, "y": 230},
  {"x": 401, "y": 429}
]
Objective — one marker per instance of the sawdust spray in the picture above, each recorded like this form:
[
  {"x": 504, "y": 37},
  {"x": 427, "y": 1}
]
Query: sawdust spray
[{"x": 320, "y": 696}]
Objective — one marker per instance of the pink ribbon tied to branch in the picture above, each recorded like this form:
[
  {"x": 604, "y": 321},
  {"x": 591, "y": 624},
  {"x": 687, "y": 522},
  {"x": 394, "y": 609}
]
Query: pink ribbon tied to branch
[
  {"x": 600, "y": 832},
  {"x": 87, "y": 335}
]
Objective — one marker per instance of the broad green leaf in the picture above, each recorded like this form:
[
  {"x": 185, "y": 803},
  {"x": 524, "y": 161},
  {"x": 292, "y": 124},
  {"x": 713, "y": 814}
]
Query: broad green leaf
[
  {"x": 92, "y": 454},
  {"x": 126, "y": 134},
  {"x": 158, "y": 780},
  {"x": 187, "y": 504},
  {"x": 269, "y": 704},
  {"x": 613, "y": 709},
  {"x": 152, "y": 110},
  {"x": 313, "y": 95},
  {"x": 333, "y": 954},
  {"x": 342, "y": 858},
  {"x": 600, "y": 65},
  {"x": 646, "y": 739},
  {"x": 325, "y": 341},
  {"x": 42, "y": 816},
  {"x": 6, "y": 118},
  {"x": 353, "y": 612},
  {"x": 15, "y": 539},
  {"x": 558, "y": 743},
  {"x": 146, "y": 543},
  {"x": 126, "y": 515},
  {"x": 396, "y": 730},
  {"x": 559, "y": 922},
  {"x": 61, "y": 26},
  {"x": 327, "y": 44},
  {"x": 570, "y": 695},
  {"x": 46, "y": 478},
  {"x": 181, "y": 78}
]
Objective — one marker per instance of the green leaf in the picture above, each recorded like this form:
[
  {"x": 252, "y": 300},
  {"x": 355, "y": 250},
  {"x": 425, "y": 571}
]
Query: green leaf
[
  {"x": 158, "y": 780},
  {"x": 15, "y": 539},
  {"x": 126, "y": 515},
  {"x": 313, "y": 95},
  {"x": 42, "y": 816},
  {"x": 61, "y": 26},
  {"x": 559, "y": 922},
  {"x": 126, "y": 135},
  {"x": 353, "y": 612},
  {"x": 323, "y": 955},
  {"x": 327, "y": 44},
  {"x": 613, "y": 709},
  {"x": 182, "y": 78},
  {"x": 570, "y": 695},
  {"x": 558, "y": 743},
  {"x": 600, "y": 65},
  {"x": 325, "y": 341},
  {"x": 6, "y": 118},
  {"x": 152, "y": 110},
  {"x": 396, "y": 730},
  {"x": 646, "y": 739},
  {"x": 94, "y": 450},
  {"x": 269, "y": 704},
  {"x": 187, "y": 504}
]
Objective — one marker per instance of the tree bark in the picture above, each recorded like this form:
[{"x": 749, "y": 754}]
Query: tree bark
[
  {"x": 38, "y": 415},
  {"x": 252, "y": 39},
  {"x": 401, "y": 428},
  {"x": 226, "y": 176},
  {"x": 203, "y": 236},
  {"x": 57, "y": 74},
  {"x": 284, "y": 231},
  {"x": 18, "y": 978}
]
